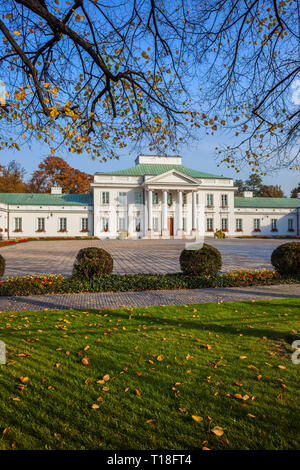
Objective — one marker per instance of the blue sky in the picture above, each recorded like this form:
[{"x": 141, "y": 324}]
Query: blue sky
[{"x": 199, "y": 155}]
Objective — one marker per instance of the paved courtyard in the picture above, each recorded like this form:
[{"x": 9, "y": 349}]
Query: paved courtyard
[
  {"x": 148, "y": 256},
  {"x": 102, "y": 300}
]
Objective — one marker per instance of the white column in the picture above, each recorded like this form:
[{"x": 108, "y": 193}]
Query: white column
[
  {"x": 179, "y": 212},
  {"x": 165, "y": 232},
  {"x": 150, "y": 225},
  {"x": 194, "y": 213}
]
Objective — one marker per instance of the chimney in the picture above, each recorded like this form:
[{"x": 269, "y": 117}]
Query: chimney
[
  {"x": 56, "y": 190},
  {"x": 247, "y": 194},
  {"x": 298, "y": 195}
]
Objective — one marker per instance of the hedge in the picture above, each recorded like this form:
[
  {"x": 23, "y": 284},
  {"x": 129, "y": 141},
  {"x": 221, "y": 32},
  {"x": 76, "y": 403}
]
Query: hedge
[{"x": 58, "y": 284}]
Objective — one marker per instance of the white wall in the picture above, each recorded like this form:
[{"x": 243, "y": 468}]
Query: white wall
[{"x": 51, "y": 214}]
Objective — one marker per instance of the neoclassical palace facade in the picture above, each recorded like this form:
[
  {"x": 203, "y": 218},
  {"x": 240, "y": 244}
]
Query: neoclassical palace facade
[{"x": 156, "y": 198}]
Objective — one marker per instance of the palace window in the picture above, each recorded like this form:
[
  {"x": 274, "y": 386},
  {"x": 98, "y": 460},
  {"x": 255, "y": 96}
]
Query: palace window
[
  {"x": 256, "y": 223},
  {"x": 105, "y": 197},
  {"x": 18, "y": 224},
  {"x": 41, "y": 224},
  {"x": 184, "y": 198},
  {"x": 239, "y": 224},
  {"x": 62, "y": 224},
  {"x": 224, "y": 200},
  {"x": 154, "y": 198},
  {"x": 184, "y": 223},
  {"x": 290, "y": 224},
  {"x": 170, "y": 199},
  {"x": 105, "y": 224},
  {"x": 224, "y": 224},
  {"x": 273, "y": 224},
  {"x": 122, "y": 199},
  {"x": 138, "y": 197},
  {"x": 155, "y": 224},
  {"x": 197, "y": 198},
  {"x": 209, "y": 200},
  {"x": 209, "y": 224},
  {"x": 122, "y": 223},
  {"x": 85, "y": 224}
]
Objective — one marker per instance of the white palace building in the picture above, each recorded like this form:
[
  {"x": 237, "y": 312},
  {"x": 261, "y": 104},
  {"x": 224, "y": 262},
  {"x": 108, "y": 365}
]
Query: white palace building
[{"x": 158, "y": 198}]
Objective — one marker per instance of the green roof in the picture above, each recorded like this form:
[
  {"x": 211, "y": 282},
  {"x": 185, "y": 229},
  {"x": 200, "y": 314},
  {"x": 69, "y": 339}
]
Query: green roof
[
  {"x": 267, "y": 202},
  {"x": 29, "y": 199},
  {"x": 143, "y": 169}
]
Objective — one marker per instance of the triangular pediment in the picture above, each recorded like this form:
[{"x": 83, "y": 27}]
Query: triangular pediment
[{"x": 171, "y": 178}]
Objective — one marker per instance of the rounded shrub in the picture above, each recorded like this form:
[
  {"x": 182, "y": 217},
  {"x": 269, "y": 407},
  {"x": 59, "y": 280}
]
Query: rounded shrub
[
  {"x": 2, "y": 265},
  {"x": 92, "y": 262},
  {"x": 204, "y": 262},
  {"x": 286, "y": 258}
]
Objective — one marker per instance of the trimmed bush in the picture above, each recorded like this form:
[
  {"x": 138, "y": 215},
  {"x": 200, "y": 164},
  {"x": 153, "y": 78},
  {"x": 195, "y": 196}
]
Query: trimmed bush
[
  {"x": 286, "y": 258},
  {"x": 204, "y": 262},
  {"x": 2, "y": 265},
  {"x": 92, "y": 262}
]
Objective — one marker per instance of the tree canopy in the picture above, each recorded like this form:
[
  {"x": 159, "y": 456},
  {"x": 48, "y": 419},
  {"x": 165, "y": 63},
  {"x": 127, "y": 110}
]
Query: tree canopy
[
  {"x": 55, "y": 171},
  {"x": 12, "y": 178},
  {"x": 255, "y": 184},
  {"x": 97, "y": 76},
  {"x": 52, "y": 171}
]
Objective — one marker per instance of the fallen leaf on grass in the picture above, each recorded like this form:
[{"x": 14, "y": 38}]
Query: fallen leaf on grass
[
  {"x": 95, "y": 406},
  {"x": 198, "y": 419},
  {"x": 251, "y": 416},
  {"x": 218, "y": 431},
  {"x": 24, "y": 380},
  {"x": 138, "y": 393},
  {"x": 85, "y": 361},
  {"x": 281, "y": 367},
  {"x": 160, "y": 358}
]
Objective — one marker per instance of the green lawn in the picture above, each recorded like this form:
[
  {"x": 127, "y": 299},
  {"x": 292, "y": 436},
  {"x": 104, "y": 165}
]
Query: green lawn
[{"x": 165, "y": 365}]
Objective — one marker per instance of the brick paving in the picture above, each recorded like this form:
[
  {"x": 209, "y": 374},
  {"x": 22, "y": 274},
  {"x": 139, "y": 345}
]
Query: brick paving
[
  {"x": 130, "y": 256},
  {"x": 140, "y": 299}
]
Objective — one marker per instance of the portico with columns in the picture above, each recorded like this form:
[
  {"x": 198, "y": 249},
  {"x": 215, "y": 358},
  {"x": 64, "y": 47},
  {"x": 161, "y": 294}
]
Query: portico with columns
[{"x": 171, "y": 201}]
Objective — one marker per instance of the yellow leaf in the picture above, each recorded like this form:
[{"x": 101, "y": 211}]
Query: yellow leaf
[
  {"x": 106, "y": 377},
  {"x": 95, "y": 406},
  {"x": 218, "y": 431},
  {"x": 24, "y": 380},
  {"x": 160, "y": 358},
  {"x": 251, "y": 366},
  {"x": 17, "y": 33},
  {"x": 85, "y": 361},
  {"x": 198, "y": 419}
]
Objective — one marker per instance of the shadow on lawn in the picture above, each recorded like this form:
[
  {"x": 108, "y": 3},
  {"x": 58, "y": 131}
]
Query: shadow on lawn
[{"x": 220, "y": 327}]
